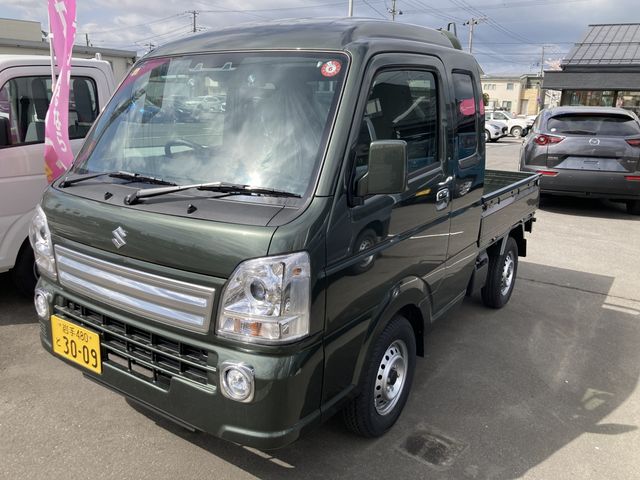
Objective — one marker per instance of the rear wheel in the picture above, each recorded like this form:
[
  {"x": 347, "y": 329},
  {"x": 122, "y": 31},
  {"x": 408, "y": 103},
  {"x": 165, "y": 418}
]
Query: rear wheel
[
  {"x": 24, "y": 273},
  {"x": 385, "y": 382},
  {"x": 487, "y": 136},
  {"x": 516, "y": 132},
  {"x": 633, "y": 207},
  {"x": 501, "y": 276}
]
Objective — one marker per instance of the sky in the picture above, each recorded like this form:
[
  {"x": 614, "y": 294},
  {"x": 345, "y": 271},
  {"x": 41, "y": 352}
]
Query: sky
[{"x": 508, "y": 39}]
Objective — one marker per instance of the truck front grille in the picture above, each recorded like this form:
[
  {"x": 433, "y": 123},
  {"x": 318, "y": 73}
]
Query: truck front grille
[
  {"x": 148, "y": 356},
  {"x": 162, "y": 299}
]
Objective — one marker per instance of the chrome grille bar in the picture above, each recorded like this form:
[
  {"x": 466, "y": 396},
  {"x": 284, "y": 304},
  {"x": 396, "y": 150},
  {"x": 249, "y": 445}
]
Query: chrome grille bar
[{"x": 158, "y": 298}]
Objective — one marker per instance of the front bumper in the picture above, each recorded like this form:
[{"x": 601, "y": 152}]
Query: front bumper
[
  {"x": 584, "y": 183},
  {"x": 179, "y": 378}
]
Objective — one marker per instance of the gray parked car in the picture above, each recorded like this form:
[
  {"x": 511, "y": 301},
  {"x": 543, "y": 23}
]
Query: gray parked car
[{"x": 586, "y": 152}]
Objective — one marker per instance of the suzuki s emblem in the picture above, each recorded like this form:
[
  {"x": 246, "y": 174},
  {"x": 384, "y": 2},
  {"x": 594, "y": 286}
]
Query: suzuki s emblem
[
  {"x": 119, "y": 235},
  {"x": 594, "y": 141}
]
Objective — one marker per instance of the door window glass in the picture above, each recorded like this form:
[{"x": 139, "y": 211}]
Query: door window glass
[
  {"x": 402, "y": 105},
  {"x": 24, "y": 102},
  {"x": 467, "y": 117}
]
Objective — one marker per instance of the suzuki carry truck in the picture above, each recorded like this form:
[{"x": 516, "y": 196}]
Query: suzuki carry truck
[{"x": 250, "y": 270}]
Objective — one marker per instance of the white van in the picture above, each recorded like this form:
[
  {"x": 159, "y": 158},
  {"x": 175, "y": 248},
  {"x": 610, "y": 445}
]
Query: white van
[{"x": 25, "y": 91}]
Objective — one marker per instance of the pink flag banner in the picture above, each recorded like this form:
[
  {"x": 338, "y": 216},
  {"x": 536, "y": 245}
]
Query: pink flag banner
[{"x": 57, "y": 148}]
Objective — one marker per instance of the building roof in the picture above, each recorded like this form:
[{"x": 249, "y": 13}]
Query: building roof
[
  {"x": 607, "y": 44},
  {"x": 326, "y": 34},
  {"x": 111, "y": 52}
]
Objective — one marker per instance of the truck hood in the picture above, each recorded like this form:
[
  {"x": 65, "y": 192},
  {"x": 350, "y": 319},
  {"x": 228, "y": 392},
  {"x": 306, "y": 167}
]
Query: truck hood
[{"x": 209, "y": 247}]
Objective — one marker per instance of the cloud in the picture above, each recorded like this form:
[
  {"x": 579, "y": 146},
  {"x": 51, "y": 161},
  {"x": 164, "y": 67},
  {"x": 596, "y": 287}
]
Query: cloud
[{"x": 510, "y": 41}]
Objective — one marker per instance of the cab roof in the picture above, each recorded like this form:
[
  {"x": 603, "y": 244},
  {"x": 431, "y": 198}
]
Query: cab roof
[{"x": 304, "y": 34}]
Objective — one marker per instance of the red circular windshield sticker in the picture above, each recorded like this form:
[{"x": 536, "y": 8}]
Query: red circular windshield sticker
[{"x": 330, "y": 68}]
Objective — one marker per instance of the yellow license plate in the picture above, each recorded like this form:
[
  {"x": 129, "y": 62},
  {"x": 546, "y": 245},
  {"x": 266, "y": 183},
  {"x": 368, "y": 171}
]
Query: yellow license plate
[{"x": 76, "y": 343}]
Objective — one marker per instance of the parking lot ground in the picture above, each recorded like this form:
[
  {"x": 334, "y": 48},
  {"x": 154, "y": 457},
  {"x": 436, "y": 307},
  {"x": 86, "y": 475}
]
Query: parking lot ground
[{"x": 546, "y": 388}]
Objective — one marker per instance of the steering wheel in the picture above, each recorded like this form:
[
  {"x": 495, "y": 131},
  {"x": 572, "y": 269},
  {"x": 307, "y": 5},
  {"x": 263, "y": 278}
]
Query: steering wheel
[{"x": 178, "y": 142}]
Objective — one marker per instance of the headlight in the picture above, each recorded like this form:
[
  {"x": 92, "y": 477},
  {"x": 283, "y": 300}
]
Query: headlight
[
  {"x": 40, "y": 239},
  {"x": 267, "y": 300}
]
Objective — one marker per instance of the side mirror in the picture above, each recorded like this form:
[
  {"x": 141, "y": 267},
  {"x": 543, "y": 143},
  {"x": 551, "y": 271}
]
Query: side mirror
[{"x": 387, "y": 169}]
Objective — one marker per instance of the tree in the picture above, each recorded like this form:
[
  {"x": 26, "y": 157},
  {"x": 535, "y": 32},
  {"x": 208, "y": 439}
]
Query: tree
[{"x": 485, "y": 99}]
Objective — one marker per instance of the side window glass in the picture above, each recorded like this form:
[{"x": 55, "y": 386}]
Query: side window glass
[
  {"x": 24, "y": 102},
  {"x": 466, "y": 112},
  {"x": 402, "y": 105}
]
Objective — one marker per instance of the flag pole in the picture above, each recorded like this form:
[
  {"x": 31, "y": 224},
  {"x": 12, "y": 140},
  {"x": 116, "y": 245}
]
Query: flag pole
[{"x": 53, "y": 72}]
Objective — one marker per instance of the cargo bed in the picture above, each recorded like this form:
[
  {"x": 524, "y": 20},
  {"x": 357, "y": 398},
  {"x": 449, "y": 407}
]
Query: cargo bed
[{"x": 510, "y": 198}]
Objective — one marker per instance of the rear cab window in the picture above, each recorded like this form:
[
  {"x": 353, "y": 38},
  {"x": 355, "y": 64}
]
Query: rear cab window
[
  {"x": 467, "y": 118},
  {"x": 614, "y": 125},
  {"x": 24, "y": 102}
]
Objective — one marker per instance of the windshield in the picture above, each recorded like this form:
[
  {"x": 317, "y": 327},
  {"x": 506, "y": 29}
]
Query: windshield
[
  {"x": 244, "y": 118},
  {"x": 614, "y": 125}
]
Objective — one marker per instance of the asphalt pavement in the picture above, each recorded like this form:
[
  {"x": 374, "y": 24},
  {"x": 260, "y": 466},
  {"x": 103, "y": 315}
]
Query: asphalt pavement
[{"x": 546, "y": 388}]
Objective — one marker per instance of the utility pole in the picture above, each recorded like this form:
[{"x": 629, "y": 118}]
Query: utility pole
[
  {"x": 350, "y": 8},
  {"x": 540, "y": 99},
  {"x": 150, "y": 46},
  {"x": 394, "y": 11},
  {"x": 471, "y": 23},
  {"x": 195, "y": 14},
  {"x": 86, "y": 36}
]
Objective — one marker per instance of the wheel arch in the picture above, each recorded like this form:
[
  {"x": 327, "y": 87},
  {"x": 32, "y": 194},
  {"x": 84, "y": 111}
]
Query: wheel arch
[{"x": 409, "y": 298}]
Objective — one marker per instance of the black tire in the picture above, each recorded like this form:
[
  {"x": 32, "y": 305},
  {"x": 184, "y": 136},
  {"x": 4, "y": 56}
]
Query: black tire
[
  {"x": 362, "y": 415},
  {"x": 633, "y": 207},
  {"x": 517, "y": 132},
  {"x": 365, "y": 240},
  {"x": 494, "y": 140},
  {"x": 24, "y": 273},
  {"x": 487, "y": 136},
  {"x": 498, "y": 289}
]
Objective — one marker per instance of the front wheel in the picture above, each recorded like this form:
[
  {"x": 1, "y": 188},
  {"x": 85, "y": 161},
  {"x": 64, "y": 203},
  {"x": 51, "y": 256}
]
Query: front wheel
[
  {"x": 516, "y": 132},
  {"x": 24, "y": 273},
  {"x": 633, "y": 207},
  {"x": 487, "y": 136},
  {"x": 501, "y": 277},
  {"x": 385, "y": 382}
]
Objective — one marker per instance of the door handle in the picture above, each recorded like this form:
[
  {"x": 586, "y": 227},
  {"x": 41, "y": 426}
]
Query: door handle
[{"x": 446, "y": 181}]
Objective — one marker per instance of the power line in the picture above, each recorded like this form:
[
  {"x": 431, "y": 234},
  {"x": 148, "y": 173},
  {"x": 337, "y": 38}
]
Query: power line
[
  {"x": 495, "y": 25},
  {"x": 366, "y": 2},
  {"x": 99, "y": 33},
  {"x": 433, "y": 12}
]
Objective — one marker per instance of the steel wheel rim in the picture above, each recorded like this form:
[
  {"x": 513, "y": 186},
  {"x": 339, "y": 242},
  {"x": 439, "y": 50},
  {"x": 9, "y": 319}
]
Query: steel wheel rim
[
  {"x": 391, "y": 377},
  {"x": 507, "y": 274}
]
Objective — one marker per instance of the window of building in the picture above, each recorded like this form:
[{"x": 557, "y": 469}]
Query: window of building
[
  {"x": 509, "y": 86},
  {"x": 24, "y": 103},
  {"x": 466, "y": 110},
  {"x": 591, "y": 98},
  {"x": 629, "y": 101},
  {"x": 402, "y": 105}
]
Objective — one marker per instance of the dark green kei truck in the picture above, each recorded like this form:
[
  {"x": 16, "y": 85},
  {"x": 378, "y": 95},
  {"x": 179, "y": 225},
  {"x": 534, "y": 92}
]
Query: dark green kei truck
[{"x": 265, "y": 220}]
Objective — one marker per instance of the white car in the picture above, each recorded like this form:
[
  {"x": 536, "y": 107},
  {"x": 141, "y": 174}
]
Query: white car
[
  {"x": 518, "y": 127},
  {"x": 25, "y": 90},
  {"x": 494, "y": 131}
]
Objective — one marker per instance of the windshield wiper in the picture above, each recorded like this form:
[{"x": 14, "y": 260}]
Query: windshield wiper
[
  {"x": 222, "y": 187},
  {"x": 136, "y": 177}
]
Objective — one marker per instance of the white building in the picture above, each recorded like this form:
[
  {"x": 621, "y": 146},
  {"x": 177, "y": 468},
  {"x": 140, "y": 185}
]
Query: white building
[{"x": 20, "y": 37}]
